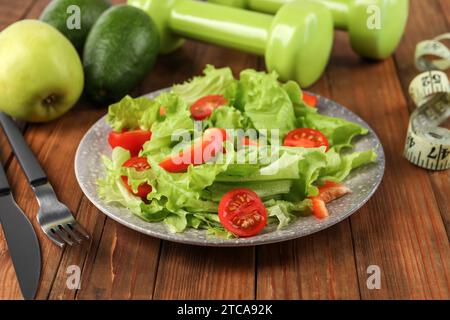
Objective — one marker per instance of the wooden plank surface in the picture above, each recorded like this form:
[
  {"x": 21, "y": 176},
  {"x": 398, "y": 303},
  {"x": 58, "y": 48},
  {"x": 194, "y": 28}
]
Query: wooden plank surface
[
  {"x": 9, "y": 13},
  {"x": 418, "y": 31},
  {"x": 400, "y": 229},
  {"x": 290, "y": 270},
  {"x": 207, "y": 273},
  {"x": 404, "y": 229}
]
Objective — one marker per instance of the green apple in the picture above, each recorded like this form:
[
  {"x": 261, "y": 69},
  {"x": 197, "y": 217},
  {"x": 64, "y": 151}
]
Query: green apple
[{"x": 41, "y": 75}]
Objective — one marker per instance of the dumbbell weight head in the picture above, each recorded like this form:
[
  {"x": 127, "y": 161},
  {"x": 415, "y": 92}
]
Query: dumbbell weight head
[
  {"x": 159, "y": 11},
  {"x": 300, "y": 41},
  {"x": 375, "y": 27},
  {"x": 233, "y": 3},
  {"x": 296, "y": 43}
]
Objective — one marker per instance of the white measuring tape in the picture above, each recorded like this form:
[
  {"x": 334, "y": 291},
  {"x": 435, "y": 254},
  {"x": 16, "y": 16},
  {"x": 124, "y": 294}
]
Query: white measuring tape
[{"x": 428, "y": 145}]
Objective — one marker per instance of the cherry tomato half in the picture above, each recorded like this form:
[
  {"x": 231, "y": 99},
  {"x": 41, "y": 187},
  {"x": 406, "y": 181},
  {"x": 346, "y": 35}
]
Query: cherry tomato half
[
  {"x": 242, "y": 212},
  {"x": 306, "y": 137},
  {"x": 202, "y": 151},
  {"x": 129, "y": 140},
  {"x": 309, "y": 99},
  {"x": 140, "y": 164},
  {"x": 203, "y": 107}
]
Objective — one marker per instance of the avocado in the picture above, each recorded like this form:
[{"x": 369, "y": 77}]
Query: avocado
[
  {"x": 63, "y": 16},
  {"x": 120, "y": 51}
]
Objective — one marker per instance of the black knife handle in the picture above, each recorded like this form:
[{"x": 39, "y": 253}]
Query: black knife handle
[
  {"x": 4, "y": 184},
  {"x": 27, "y": 160}
]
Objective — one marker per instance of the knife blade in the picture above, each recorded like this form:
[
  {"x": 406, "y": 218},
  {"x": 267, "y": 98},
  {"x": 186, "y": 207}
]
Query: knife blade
[{"x": 21, "y": 239}]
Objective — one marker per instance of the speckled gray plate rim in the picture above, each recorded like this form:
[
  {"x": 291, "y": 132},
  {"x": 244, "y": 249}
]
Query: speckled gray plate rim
[{"x": 363, "y": 182}]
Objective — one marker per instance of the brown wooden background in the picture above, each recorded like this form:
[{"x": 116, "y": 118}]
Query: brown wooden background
[{"x": 404, "y": 228}]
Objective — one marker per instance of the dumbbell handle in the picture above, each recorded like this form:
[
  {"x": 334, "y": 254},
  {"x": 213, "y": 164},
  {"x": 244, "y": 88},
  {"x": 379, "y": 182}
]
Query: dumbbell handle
[
  {"x": 295, "y": 42},
  {"x": 226, "y": 26},
  {"x": 339, "y": 8}
]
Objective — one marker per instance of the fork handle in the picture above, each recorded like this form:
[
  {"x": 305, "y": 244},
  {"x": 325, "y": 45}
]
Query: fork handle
[
  {"x": 35, "y": 175},
  {"x": 4, "y": 184}
]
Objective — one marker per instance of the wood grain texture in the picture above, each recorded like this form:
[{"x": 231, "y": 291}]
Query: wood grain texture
[
  {"x": 11, "y": 11},
  {"x": 420, "y": 29},
  {"x": 123, "y": 267},
  {"x": 402, "y": 228},
  {"x": 93, "y": 222},
  {"x": 207, "y": 273},
  {"x": 321, "y": 266},
  {"x": 445, "y": 6},
  {"x": 189, "y": 272},
  {"x": 51, "y": 142}
]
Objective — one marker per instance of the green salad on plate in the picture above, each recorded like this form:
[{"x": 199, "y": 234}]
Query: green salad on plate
[{"x": 228, "y": 155}]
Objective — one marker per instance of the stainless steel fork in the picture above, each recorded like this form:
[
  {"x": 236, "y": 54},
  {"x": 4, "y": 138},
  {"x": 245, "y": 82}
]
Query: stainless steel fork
[{"x": 55, "y": 218}]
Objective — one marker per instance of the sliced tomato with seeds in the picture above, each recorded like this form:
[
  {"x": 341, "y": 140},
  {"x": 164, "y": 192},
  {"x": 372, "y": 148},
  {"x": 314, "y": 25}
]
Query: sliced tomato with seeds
[
  {"x": 140, "y": 164},
  {"x": 306, "y": 138},
  {"x": 203, "y": 107},
  {"x": 242, "y": 212},
  {"x": 130, "y": 140},
  {"x": 202, "y": 151},
  {"x": 309, "y": 99}
]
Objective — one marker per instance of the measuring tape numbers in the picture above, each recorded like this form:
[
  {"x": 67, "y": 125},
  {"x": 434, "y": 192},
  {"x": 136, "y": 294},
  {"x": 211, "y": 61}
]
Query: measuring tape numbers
[{"x": 428, "y": 145}]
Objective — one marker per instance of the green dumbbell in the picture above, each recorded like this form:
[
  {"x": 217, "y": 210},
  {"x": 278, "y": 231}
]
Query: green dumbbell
[
  {"x": 358, "y": 17},
  {"x": 296, "y": 42}
]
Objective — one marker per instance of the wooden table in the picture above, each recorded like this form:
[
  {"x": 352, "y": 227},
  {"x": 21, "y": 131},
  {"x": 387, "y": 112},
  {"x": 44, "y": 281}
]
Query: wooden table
[{"x": 404, "y": 229}]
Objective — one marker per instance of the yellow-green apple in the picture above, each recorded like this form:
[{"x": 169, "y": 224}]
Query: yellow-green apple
[{"x": 41, "y": 75}]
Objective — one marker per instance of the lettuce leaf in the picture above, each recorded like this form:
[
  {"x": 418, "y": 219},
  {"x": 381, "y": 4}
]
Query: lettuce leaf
[
  {"x": 339, "y": 166},
  {"x": 182, "y": 192},
  {"x": 300, "y": 165},
  {"x": 177, "y": 121},
  {"x": 339, "y": 132},
  {"x": 132, "y": 114},
  {"x": 214, "y": 81},
  {"x": 228, "y": 118},
  {"x": 112, "y": 190},
  {"x": 265, "y": 101},
  {"x": 263, "y": 189},
  {"x": 283, "y": 177},
  {"x": 284, "y": 212},
  {"x": 172, "y": 103}
]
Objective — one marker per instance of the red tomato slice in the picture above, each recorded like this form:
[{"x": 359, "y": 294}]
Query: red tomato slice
[
  {"x": 162, "y": 111},
  {"x": 328, "y": 192},
  {"x": 130, "y": 140},
  {"x": 203, "y": 107},
  {"x": 309, "y": 99},
  {"x": 332, "y": 190},
  {"x": 140, "y": 164},
  {"x": 242, "y": 212},
  {"x": 246, "y": 141},
  {"x": 307, "y": 138},
  {"x": 319, "y": 209},
  {"x": 202, "y": 151}
]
